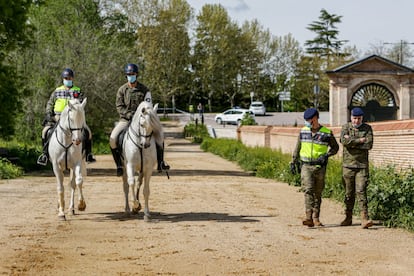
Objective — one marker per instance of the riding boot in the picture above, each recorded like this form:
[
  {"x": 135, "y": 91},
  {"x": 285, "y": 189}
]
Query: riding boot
[
  {"x": 162, "y": 165},
  {"x": 88, "y": 151},
  {"x": 43, "y": 158},
  {"x": 117, "y": 158}
]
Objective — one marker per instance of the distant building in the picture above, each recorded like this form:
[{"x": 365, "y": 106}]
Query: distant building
[{"x": 382, "y": 88}]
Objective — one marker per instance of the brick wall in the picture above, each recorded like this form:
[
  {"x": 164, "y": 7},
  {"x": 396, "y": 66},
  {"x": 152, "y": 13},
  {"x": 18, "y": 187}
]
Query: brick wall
[{"x": 393, "y": 141}]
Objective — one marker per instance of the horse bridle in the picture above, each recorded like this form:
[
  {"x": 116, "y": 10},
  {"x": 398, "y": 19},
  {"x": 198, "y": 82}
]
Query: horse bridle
[
  {"x": 67, "y": 132},
  {"x": 138, "y": 135}
]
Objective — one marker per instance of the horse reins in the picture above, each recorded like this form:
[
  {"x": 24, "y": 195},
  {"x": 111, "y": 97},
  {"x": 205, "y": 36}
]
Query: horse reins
[
  {"x": 137, "y": 144},
  {"x": 67, "y": 133}
]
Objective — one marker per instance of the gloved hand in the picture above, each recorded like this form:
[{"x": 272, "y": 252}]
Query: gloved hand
[
  {"x": 295, "y": 167},
  {"x": 292, "y": 167},
  {"x": 323, "y": 159}
]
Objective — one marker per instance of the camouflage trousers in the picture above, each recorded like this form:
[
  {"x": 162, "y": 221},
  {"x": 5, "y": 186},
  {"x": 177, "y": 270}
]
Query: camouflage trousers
[
  {"x": 355, "y": 181},
  {"x": 313, "y": 183}
]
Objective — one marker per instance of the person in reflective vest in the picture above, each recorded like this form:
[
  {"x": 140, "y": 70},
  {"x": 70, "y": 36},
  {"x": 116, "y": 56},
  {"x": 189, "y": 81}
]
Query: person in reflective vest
[
  {"x": 54, "y": 107},
  {"x": 315, "y": 145}
]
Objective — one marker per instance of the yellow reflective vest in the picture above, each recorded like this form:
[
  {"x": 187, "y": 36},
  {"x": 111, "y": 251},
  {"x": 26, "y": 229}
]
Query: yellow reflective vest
[
  {"x": 60, "y": 97},
  {"x": 314, "y": 145}
]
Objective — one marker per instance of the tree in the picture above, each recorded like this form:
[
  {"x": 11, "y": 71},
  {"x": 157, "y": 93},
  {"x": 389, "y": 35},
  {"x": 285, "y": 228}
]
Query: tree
[
  {"x": 216, "y": 61},
  {"x": 13, "y": 36},
  {"x": 326, "y": 43},
  {"x": 325, "y": 53},
  {"x": 164, "y": 45},
  {"x": 88, "y": 44}
]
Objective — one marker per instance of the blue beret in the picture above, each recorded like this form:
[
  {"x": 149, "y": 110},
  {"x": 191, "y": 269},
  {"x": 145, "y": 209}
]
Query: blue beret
[
  {"x": 310, "y": 113},
  {"x": 357, "y": 112}
]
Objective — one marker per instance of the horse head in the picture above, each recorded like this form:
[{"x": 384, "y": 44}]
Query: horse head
[{"x": 74, "y": 120}]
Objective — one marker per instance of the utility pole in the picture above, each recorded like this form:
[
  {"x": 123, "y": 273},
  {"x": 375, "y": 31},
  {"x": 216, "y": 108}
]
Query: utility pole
[{"x": 401, "y": 43}]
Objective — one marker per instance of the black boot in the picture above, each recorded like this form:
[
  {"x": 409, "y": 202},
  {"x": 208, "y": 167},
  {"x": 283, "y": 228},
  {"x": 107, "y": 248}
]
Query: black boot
[
  {"x": 43, "y": 158},
  {"x": 117, "y": 158},
  {"x": 162, "y": 165},
  {"x": 88, "y": 151}
]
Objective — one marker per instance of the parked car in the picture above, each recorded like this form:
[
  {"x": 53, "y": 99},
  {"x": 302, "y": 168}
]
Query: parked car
[
  {"x": 258, "y": 108},
  {"x": 232, "y": 116}
]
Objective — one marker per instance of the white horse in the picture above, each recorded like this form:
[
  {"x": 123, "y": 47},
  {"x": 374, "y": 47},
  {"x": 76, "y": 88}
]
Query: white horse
[
  {"x": 139, "y": 154},
  {"x": 65, "y": 152}
]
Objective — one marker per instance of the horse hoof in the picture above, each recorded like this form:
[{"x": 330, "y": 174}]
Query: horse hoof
[
  {"x": 136, "y": 208},
  {"x": 147, "y": 218},
  {"x": 82, "y": 206},
  {"x": 62, "y": 217}
]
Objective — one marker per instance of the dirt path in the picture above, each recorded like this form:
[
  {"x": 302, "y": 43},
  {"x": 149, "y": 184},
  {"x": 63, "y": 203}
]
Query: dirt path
[{"x": 210, "y": 218}]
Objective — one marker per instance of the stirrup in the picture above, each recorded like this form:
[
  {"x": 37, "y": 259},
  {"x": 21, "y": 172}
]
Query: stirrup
[
  {"x": 42, "y": 160},
  {"x": 162, "y": 166}
]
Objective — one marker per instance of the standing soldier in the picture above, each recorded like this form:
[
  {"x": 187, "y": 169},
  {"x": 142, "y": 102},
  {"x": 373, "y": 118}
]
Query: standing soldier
[
  {"x": 315, "y": 144},
  {"x": 357, "y": 139}
]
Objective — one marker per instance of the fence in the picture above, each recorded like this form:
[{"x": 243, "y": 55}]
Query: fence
[{"x": 393, "y": 141}]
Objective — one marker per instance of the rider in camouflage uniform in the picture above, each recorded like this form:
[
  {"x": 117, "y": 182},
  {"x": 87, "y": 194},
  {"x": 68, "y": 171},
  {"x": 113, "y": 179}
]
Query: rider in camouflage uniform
[
  {"x": 128, "y": 98},
  {"x": 357, "y": 139},
  {"x": 315, "y": 145}
]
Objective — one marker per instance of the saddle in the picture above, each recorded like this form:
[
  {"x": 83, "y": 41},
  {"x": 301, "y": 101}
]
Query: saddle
[{"x": 120, "y": 139}]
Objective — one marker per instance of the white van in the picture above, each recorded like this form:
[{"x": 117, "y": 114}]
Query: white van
[{"x": 258, "y": 108}]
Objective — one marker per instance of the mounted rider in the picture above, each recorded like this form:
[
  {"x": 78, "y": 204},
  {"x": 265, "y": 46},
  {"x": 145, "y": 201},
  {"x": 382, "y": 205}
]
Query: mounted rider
[
  {"x": 128, "y": 97},
  {"x": 54, "y": 107}
]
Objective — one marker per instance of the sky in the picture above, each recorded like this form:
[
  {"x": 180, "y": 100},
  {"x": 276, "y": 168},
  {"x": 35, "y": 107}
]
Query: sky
[{"x": 364, "y": 22}]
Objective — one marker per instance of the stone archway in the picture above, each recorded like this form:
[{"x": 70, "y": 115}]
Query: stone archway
[
  {"x": 376, "y": 100},
  {"x": 385, "y": 90}
]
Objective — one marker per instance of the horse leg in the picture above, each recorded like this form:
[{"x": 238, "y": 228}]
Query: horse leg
[
  {"x": 60, "y": 191},
  {"x": 130, "y": 172},
  {"x": 79, "y": 184},
  {"x": 147, "y": 216},
  {"x": 126, "y": 191},
  {"x": 72, "y": 193},
  {"x": 138, "y": 189}
]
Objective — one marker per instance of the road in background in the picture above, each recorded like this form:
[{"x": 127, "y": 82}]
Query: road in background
[{"x": 270, "y": 119}]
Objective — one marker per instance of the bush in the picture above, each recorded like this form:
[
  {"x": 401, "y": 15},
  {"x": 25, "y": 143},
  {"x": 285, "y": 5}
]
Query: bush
[
  {"x": 8, "y": 170},
  {"x": 198, "y": 132}
]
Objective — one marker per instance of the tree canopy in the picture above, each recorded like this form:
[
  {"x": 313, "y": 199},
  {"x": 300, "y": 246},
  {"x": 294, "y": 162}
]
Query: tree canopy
[{"x": 183, "y": 57}]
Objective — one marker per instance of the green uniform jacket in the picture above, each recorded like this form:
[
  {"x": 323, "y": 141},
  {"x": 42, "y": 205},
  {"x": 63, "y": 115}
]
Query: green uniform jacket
[
  {"x": 128, "y": 99},
  {"x": 355, "y": 153}
]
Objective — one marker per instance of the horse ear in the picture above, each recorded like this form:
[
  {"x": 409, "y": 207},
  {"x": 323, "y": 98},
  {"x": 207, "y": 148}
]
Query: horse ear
[
  {"x": 148, "y": 97},
  {"x": 84, "y": 103},
  {"x": 70, "y": 105},
  {"x": 155, "y": 108}
]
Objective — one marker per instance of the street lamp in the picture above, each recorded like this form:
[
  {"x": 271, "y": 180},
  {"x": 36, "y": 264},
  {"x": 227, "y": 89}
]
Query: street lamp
[{"x": 316, "y": 91}]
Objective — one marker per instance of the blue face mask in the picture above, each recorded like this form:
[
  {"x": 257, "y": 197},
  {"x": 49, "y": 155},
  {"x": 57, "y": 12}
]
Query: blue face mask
[
  {"x": 308, "y": 124},
  {"x": 67, "y": 83},
  {"x": 132, "y": 78}
]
